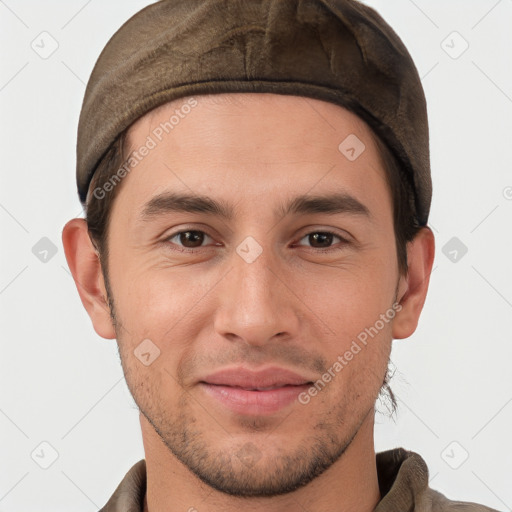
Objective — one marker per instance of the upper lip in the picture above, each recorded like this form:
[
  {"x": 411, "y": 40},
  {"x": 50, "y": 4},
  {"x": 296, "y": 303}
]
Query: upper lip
[{"x": 244, "y": 378}]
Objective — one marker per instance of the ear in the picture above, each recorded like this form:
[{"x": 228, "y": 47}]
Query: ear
[
  {"x": 414, "y": 285},
  {"x": 84, "y": 264}
]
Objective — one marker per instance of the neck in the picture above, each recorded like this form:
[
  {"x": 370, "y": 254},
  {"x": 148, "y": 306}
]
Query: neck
[{"x": 348, "y": 485}]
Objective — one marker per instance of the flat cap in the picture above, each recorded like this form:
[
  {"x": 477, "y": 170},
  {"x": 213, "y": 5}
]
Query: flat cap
[{"x": 339, "y": 51}]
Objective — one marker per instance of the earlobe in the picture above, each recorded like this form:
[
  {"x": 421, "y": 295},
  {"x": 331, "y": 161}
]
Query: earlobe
[
  {"x": 413, "y": 287},
  {"x": 84, "y": 264}
]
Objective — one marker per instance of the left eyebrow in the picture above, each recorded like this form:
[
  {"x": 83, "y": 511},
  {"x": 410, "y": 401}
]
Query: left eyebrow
[
  {"x": 301, "y": 205},
  {"x": 330, "y": 204}
]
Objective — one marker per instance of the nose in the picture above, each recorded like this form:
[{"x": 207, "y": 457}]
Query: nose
[{"x": 256, "y": 304}]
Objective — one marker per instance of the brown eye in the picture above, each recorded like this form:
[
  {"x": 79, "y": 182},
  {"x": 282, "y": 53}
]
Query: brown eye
[
  {"x": 188, "y": 239},
  {"x": 322, "y": 239}
]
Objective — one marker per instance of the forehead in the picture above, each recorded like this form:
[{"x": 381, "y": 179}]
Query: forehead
[
  {"x": 312, "y": 118},
  {"x": 251, "y": 144}
]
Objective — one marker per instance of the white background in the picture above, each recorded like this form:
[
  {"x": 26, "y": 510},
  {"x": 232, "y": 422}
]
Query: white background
[{"x": 62, "y": 384}]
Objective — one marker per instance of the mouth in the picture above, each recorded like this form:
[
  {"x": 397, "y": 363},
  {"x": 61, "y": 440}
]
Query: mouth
[
  {"x": 254, "y": 401},
  {"x": 268, "y": 388},
  {"x": 247, "y": 392},
  {"x": 268, "y": 378}
]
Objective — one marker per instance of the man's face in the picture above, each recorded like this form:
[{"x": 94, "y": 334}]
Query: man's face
[{"x": 256, "y": 289}]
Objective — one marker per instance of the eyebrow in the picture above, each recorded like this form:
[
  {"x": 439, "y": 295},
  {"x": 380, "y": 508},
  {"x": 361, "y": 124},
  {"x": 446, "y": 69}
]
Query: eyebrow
[{"x": 333, "y": 203}]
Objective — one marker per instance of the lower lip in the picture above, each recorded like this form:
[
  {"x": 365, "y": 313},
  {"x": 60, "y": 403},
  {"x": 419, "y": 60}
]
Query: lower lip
[{"x": 258, "y": 403}]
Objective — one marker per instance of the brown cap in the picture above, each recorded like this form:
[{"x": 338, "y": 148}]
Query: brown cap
[{"x": 339, "y": 51}]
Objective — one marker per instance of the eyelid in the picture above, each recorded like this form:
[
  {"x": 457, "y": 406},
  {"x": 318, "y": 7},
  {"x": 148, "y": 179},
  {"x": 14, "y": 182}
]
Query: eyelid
[
  {"x": 323, "y": 232},
  {"x": 344, "y": 235},
  {"x": 172, "y": 232},
  {"x": 344, "y": 241},
  {"x": 167, "y": 238}
]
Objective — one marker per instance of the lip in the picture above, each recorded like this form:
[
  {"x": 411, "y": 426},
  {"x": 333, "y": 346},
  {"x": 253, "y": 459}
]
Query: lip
[
  {"x": 240, "y": 389},
  {"x": 241, "y": 377}
]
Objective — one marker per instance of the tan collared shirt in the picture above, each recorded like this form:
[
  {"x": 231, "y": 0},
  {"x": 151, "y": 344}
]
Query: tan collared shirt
[{"x": 403, "y": 484}]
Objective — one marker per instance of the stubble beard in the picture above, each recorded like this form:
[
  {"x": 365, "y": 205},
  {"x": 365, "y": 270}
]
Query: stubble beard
[{"x": 231, "y": 472}]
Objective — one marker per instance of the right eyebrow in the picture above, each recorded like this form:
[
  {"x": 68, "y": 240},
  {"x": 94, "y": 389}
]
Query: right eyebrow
[{"x": 173, "y": 202}]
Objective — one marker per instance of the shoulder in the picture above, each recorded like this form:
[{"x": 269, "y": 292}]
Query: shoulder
[
  {"x": 129, "y": 494},
  {"x": 404, "y": 485},
  {"x": 436, "y": 502}
]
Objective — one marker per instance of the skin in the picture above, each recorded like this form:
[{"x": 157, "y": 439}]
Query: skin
[{"x": 295, "y": 306}]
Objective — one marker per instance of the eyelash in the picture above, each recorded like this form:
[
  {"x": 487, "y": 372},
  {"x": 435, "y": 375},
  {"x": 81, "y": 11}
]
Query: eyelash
[{"x": 190, "y": 250}]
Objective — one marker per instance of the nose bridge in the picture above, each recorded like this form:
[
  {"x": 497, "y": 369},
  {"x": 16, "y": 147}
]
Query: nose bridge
[
  {"x": 257, "y": 279},
  {"x": 255, "y": 305}
]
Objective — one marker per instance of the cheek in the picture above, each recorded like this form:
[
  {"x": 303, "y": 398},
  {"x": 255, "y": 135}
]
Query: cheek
[
  {"x": 158, "y": 306},
  {"x": 361, "y": 316},
  {"x": 358, "y": 306},
  {"x": 162, "y": 304},
  {"x": 353, "y": 298}
]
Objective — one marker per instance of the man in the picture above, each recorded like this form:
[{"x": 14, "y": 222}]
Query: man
[{"x": 257, "y": 182}]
